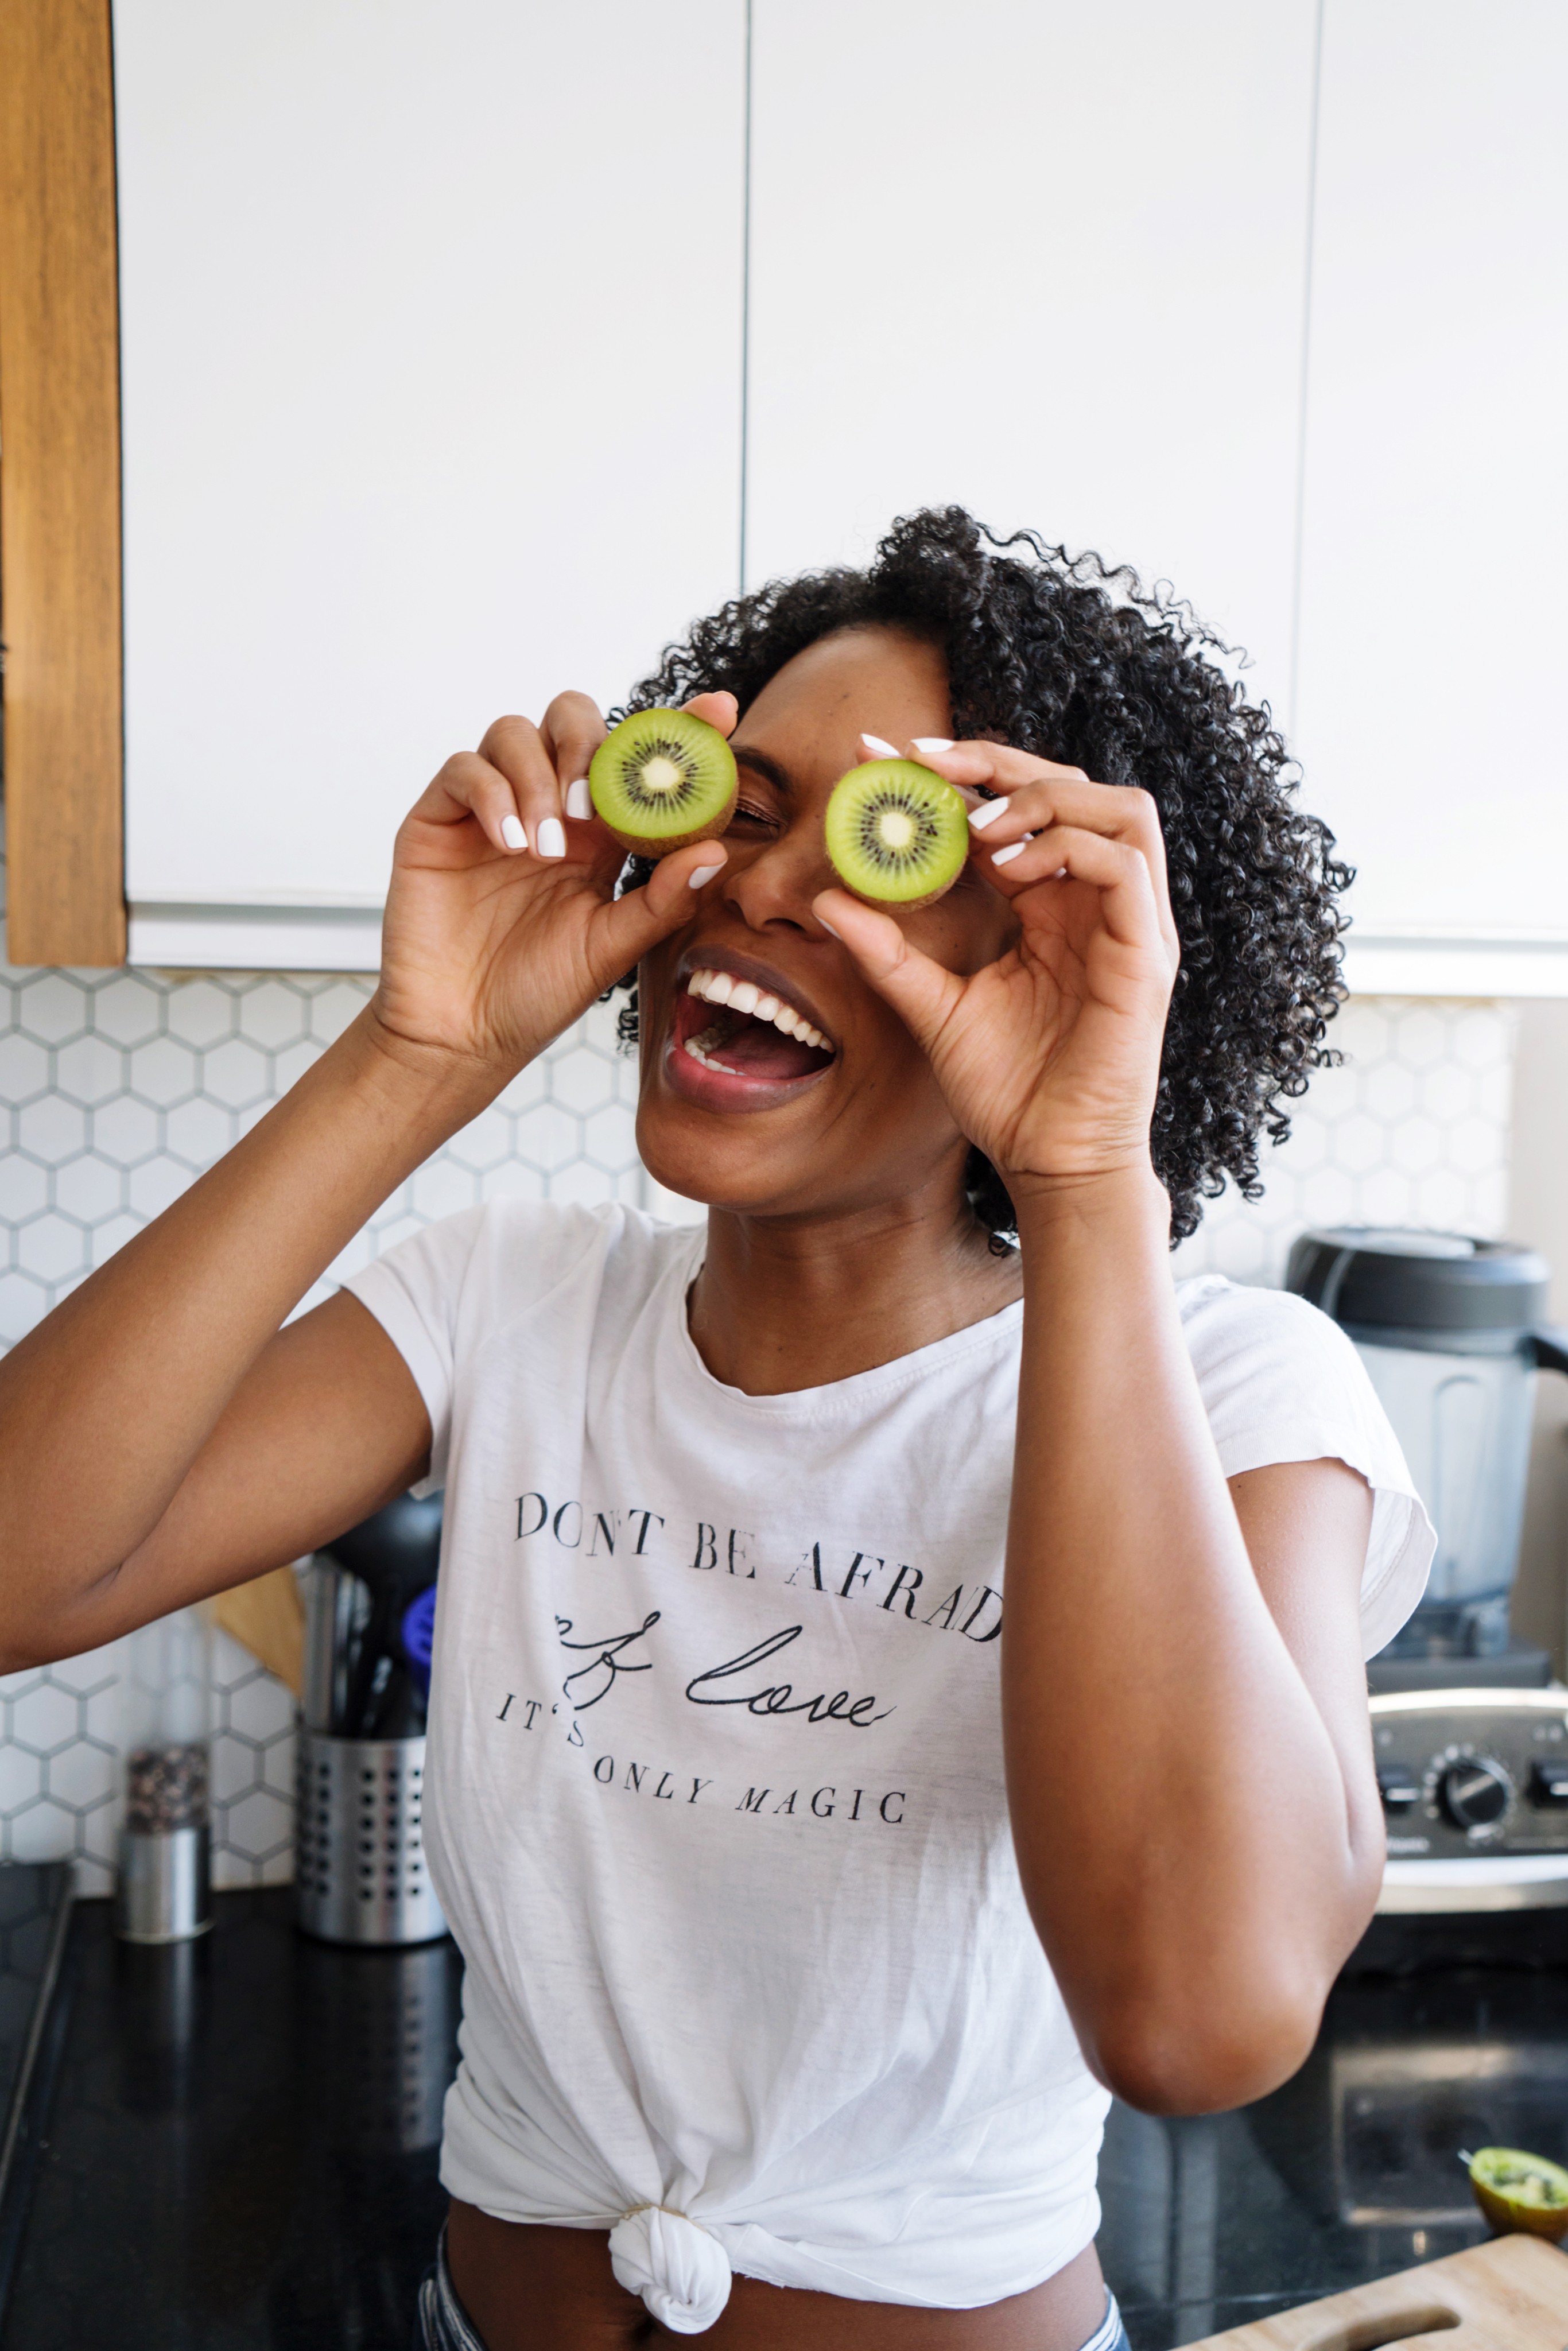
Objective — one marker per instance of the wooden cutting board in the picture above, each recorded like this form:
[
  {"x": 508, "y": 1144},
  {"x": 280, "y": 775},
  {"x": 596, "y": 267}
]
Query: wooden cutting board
[
  {"x": 267, "y": 1617},
  {"x": 1509, "y": 2295}
]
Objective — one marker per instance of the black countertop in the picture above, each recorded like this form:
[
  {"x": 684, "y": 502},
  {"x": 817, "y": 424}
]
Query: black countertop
[
  {"x": 241, "y": 2147},
  {"x": 1350, "y": 2170},
  {"x": 242, "y": 2150}
]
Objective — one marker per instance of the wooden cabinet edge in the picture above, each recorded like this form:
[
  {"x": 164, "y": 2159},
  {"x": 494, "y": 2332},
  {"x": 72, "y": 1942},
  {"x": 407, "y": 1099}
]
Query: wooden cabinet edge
[{"x": 59, "y": 484}]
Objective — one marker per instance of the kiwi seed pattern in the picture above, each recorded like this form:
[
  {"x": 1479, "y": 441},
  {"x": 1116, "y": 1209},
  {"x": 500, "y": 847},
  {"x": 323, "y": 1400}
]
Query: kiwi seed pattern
[
  {"x": 659, "y": 778},
  {"x": 663, "y": 778},
  {"x": 897, "y": 833}
]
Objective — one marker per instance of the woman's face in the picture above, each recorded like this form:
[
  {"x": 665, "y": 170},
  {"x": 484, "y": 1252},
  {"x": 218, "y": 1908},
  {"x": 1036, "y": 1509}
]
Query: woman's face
[{"x": 755, "y": 1118}]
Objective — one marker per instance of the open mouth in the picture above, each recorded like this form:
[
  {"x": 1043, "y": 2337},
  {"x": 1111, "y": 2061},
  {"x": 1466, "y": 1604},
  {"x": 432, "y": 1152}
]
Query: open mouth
[{"x": 732, "y": 1028}]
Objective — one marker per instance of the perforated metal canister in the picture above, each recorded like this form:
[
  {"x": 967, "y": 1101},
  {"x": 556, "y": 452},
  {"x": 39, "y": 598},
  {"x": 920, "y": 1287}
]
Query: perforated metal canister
[{"x": 359, "y": 1866}]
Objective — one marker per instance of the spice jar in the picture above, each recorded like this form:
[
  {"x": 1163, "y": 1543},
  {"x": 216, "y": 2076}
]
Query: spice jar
[{"x": 165, "y": 1869}]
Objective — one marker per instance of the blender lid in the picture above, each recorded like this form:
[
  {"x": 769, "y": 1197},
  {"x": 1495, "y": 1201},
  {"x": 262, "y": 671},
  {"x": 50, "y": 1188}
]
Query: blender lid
[{"x": 1367, "y": 1275}]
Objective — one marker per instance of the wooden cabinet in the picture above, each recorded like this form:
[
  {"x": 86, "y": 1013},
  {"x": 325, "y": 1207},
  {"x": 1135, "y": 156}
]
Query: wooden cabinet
[
  {"x": 59, "y": 484},
  {"x": 432, "y": 352},
  {"x": 1433, "y": 678}
]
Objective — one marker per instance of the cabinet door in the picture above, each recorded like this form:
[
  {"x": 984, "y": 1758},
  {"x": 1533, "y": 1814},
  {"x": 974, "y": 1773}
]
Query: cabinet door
[
  {"x": 1432, "y": 669},
  {"x": 1044, "y": 259},
  {"x": 431, "y": 326}
]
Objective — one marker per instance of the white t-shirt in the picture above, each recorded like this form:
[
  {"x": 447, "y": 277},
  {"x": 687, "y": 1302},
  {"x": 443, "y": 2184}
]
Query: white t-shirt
[{"x": 715, "y": 1795}]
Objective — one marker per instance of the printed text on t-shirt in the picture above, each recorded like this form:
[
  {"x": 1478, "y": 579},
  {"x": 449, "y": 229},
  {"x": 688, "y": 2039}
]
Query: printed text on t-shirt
[{"x": 842, "y": 1572}]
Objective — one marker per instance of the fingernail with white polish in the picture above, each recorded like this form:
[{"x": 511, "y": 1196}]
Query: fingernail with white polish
[
  {"x": 702, "y": 876},
  {"x": 578, "y": 800},
  {"x": 932, "y": 743},
  {"x": 987, "y": 813},
  {"x": 1005, "y": 856},
  {"x": 512, "y": 833},
  {"x": 883, "y": 751},
  {"x": 549, "y": 840}
]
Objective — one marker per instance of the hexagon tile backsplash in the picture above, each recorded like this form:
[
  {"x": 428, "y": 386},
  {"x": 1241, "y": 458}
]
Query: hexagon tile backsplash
[
  {"x": 118, "y": 1088},
  {"x": 1412, "y": 1129}
]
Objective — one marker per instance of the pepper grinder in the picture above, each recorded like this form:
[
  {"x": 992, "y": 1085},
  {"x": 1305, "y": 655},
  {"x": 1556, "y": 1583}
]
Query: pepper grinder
[{"x": 165, "y": 1895}]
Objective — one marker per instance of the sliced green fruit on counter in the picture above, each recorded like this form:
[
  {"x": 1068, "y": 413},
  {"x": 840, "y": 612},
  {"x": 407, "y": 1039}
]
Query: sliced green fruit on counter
[{"x": 1516, "y": 2191}]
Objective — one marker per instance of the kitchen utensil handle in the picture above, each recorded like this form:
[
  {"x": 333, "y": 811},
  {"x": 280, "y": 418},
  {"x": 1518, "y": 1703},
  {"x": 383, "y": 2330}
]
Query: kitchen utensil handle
[{"x": 1549, "y": 1344}]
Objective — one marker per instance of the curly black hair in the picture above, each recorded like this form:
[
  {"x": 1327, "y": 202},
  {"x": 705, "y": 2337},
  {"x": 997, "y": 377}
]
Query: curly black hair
[{"x": 1067, "y": 657}]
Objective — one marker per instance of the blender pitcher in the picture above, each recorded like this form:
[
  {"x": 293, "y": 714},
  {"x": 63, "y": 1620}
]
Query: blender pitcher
[{"x": 1450, "y": 1330}]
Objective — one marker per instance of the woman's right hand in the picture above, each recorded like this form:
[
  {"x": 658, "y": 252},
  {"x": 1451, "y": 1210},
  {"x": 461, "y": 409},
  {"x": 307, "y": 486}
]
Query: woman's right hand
[
  {"x": 161, "y": 1434},
  {"x": 501, "y": 926}
]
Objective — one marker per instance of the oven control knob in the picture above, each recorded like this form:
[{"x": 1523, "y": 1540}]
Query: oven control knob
[{"x": 1476, "y": 1794}]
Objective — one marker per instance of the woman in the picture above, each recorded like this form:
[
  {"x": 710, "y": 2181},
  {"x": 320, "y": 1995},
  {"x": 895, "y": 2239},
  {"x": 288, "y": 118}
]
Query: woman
[{"x": 810, "y": 1916}]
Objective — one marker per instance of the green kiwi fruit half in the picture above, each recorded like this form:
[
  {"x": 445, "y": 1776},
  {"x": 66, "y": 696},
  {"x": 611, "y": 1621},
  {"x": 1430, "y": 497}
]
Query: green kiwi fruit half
[
  {"x": 661, "y": 779},
  {"x": 1519, "y": 2191},
  {"x": 898, "y": 835}
]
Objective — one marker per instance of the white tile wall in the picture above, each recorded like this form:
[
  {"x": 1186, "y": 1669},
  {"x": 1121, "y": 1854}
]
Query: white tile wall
[
  {"x": 60, "y": 1744},
  {"x": 118, "y": 1088},
  {"x": 1412, "y": 1130}
]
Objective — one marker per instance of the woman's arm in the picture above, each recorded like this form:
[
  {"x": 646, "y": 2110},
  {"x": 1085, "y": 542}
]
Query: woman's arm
[
  {"x": 160, "y": 1435},
  {"x": 1190, "y": 1765},
  {"x": 127, "y": 1481},
  {"x": 1183, "y": 1704}
]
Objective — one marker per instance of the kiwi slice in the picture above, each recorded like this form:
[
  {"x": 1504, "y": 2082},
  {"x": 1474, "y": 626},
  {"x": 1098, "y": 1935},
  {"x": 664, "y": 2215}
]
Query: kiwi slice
[
  {"x": 661, "y": 779},
  {"x": 898, "y": 835},
  {"x": 1520, "y": 2191}
]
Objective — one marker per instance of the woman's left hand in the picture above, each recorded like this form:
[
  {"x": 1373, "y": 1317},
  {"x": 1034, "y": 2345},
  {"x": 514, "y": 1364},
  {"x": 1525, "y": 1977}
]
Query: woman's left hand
[{"x": 1049, "y": 1057}]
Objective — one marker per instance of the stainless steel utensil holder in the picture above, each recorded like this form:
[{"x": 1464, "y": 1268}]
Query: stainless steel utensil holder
[{"x": 360, "y": 1869}]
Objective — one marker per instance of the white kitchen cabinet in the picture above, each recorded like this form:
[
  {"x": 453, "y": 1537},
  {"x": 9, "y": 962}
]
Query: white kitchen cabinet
[
  {"x": 1433, "y": 679},
  {"x": 432, "y": 368},
  {"x": 431, "y": 327},
  {"x": 1044, "y": 260}
]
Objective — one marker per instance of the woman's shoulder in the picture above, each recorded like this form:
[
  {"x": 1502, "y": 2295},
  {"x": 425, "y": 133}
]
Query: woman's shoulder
[
  {"x": 1269, "y": 1347},
  {"x": 1222, "y": 1320},
  {"x": 1280, "y": 1381}
]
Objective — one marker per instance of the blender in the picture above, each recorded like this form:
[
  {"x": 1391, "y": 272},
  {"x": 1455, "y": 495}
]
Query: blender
[
  {"x": 1469, "y": 1731},
  {"x": 1452, "y": 1332}
]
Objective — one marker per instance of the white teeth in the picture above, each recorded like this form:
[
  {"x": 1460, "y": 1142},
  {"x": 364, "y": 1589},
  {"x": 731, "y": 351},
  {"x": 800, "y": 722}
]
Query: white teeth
[
  {"x": 744, "y": 996},
  {"x": 694, "y": 1046},
  {"x": 792, "y": 1024}
]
